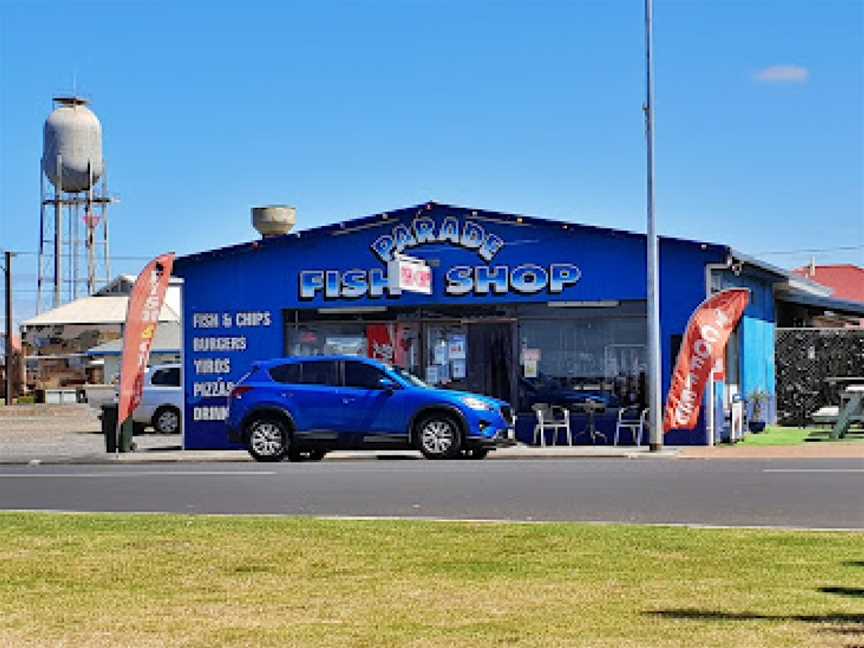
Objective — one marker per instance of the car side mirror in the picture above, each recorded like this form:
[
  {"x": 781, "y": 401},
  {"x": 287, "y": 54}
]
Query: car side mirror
[{"x": 388, "y": 385}]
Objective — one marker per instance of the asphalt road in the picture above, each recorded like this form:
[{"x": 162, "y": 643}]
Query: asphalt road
[{"x": 806, "y": 493}]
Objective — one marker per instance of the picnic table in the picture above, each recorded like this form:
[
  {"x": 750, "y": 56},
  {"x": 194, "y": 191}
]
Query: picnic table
[{"x": 851, "y": 410}]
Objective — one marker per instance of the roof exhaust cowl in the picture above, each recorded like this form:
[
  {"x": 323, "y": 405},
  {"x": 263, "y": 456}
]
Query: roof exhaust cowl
[{"x": 273, "y": 220}]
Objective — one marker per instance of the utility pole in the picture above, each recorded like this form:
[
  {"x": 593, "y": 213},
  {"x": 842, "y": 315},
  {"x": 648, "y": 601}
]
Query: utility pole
[
  {"x": 10, "y": 397},
  {"x": 654, "y": 383}
]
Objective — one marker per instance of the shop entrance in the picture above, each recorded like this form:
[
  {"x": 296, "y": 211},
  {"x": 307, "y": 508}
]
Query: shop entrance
[
  {"x": 491, "y": 360},
  {"x": 441, "y": 346}
]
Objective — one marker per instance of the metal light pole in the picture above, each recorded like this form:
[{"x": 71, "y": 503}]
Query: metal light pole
[
  {"x": 655, "y": 386},
  {"x": 10, "y": 386}
]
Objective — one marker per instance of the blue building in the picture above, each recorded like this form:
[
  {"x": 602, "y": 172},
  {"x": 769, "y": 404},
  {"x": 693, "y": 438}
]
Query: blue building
[{"x": 525, "y": 309}]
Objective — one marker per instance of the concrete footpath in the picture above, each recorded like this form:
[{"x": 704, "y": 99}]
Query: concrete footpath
[{"x": 814, "y": 450}]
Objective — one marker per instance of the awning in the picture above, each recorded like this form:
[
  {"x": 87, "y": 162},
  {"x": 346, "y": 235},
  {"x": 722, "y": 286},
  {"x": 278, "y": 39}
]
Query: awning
[{"x": 838, "y": 306}]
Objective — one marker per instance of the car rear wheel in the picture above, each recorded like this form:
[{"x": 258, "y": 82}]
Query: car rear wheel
[
  {"x": 166, "y": 420},
  {"x": 438, "y": 437},
  {"x": 268, "y": 440}
]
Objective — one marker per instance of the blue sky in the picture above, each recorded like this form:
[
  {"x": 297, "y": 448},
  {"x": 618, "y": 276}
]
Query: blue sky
[{"x": 348, "y": 109}]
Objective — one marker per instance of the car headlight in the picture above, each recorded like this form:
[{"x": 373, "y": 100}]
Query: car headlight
[{"x": 477, "y": 404}]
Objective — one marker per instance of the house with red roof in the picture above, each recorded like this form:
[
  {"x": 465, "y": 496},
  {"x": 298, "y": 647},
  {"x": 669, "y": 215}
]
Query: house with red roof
[{"x": 846, "y": 280}]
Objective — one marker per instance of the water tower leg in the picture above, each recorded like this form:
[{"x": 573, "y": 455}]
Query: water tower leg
[
  {"x": 90, "y": 229},
  {"x": 58, "y": 233},
  {"x": 105, "y": 221},
  {"x": 39, "y": 279},
  {"x": 72, "y": 216}
]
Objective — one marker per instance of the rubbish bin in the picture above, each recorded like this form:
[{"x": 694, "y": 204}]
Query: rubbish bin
[
  {"x": 109, "y": 430},
  {"x": 109, "y": 426}
]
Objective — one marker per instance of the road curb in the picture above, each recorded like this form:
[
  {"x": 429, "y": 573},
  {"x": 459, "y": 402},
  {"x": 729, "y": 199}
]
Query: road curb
[{"x": 136, "y": 458}]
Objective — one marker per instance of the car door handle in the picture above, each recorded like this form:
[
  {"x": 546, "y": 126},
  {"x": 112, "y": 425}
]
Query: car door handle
[{"x": 347, "y": 401}]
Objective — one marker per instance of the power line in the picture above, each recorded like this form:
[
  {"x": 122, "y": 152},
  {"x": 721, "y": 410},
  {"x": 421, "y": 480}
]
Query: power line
[
  {"x": 112, "y": 258},
  {"x": 839, "y": 248}
]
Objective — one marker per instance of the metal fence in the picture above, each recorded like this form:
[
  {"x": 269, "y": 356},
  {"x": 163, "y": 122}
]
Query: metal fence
[{"x": 809, "y": 363}]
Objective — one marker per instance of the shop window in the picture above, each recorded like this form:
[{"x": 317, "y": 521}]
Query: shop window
[
  {"x": 320, "y": 372},
  {"x": 287, "y": 373},
  {"x": 362, "y": 376},
  {"x": 393, "y": 343},
  {"x": 327, "y": 339},
  {"x": 566, "y": 362},
  {"x": 396, "y": 344}
]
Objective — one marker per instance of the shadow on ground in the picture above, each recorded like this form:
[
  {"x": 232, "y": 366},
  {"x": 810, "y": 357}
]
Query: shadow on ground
[
  {"x": 841, "y": 623},
  {"x": 854, "y": 592},
  {"x": 170, "y": 448}
]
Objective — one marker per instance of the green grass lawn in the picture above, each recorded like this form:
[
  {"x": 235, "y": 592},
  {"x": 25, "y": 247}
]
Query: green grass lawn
[
  {"x": 775, "y": 435},
  {"x": 99, "y": 580}
]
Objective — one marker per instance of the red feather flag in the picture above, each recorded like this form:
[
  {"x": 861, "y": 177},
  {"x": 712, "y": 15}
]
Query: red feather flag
[
  {"x": 704, "y": 343},
  {"x": 142, "y": 318}
]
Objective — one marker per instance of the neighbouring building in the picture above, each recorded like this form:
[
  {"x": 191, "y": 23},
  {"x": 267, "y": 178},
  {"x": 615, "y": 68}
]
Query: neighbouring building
[
  {"x": 165, "y": 349},
  {"x": 846, "y": 283},
  {"x": 17, "y": 366},
  {"x": 820, "y": 343},
  {"x": 57, "y": 342}
]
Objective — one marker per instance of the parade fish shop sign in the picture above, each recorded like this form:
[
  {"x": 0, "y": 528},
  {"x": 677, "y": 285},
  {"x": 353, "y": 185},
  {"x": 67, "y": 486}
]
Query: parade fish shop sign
[{"x": 484, "y": 279}]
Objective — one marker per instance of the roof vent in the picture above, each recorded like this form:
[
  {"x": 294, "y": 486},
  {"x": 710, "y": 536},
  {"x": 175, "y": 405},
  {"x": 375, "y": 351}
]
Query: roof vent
[{"x": 273, "y": 220}]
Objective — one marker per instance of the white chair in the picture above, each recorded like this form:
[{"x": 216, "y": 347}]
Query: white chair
[
  {"x": 634, "y": 425},
  {"x": 551, "y": 419}
]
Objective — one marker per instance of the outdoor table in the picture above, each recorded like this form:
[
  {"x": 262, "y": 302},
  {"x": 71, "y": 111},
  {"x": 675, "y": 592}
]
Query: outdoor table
[
  {"x": 849, "y": 379},
  {"x": 851, "y": 410},
  {"x": 591, "y": 407}
]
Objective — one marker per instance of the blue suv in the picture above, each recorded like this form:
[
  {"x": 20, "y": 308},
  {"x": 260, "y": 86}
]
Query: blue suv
[{"x": 301, "y": 408}]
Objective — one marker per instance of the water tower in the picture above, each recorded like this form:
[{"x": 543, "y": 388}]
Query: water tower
[{"x": 73, "y": 220}]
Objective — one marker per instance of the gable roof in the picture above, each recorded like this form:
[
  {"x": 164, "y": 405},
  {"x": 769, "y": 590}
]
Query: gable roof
[
  {"x": 119, "y": 285},
  {"x": 394, "y": 216},
  {"x": 94, "y": 310},
  {"x": 847, "y": 280}
]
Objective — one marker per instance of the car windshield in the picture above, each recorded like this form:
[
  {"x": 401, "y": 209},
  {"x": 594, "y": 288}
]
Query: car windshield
[{"x": 409, "y": 377}]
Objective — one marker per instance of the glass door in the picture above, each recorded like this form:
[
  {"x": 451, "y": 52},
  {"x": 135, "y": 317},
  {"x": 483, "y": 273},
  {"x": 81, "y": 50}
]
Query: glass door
[{"x": 491, "y": 362}]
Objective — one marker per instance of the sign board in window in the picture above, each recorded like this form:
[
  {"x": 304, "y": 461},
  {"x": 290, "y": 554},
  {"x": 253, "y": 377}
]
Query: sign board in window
[
  {"x": 456, "y": 346},
  {"x": 380, "y": 343}
]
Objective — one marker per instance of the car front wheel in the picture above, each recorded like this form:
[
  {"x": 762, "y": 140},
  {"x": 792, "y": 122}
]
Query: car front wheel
[
  {"x": 268, "y": 440},
  {"x": 438, "y": 437}
]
